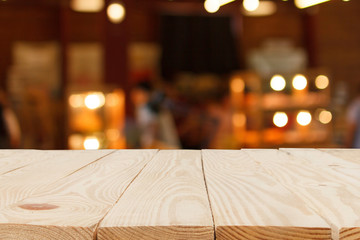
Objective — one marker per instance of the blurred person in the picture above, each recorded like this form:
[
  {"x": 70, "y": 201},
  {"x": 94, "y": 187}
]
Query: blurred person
[
  {"x": 353, "y": 122},
  {"x": 9, "y": 126},
  {"x": 156, "y": 128}
]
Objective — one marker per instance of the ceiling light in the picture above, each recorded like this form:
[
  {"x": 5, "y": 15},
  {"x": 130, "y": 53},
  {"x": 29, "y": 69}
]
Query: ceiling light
[
  {"x": 87, "y": 5},
  {"x": 308, "y": 3},
  {"x": 116, "y": 12}
]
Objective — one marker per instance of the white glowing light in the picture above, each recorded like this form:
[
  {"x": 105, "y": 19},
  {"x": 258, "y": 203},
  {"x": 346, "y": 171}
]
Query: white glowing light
[
  {"x": 322, "y": 82},
  {"x": 212, "y": 6},
  {"x": 250, "y": 5},
  {"x": 116, "y": 12},
  {"x": 277, "y": 83},
  {"x": 308, "y": 3},
  {"x": 299, "y": 82},
  {"x": 325, "y": 116},
  {"x": 94, "y": 100},
  {"x": 76, "y": 100},
  {"x": 303, "y": 118},
  {"x": 237, "y": 85},
  {"x": 280, "y": 119},
  {"x": 91, "y": 143}
]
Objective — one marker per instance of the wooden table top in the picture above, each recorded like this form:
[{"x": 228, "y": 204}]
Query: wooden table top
[{"x": 180, "y": 194}]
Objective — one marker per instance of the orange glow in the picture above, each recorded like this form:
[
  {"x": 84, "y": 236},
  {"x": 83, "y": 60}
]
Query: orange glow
[{"x": 237, "y": 85}]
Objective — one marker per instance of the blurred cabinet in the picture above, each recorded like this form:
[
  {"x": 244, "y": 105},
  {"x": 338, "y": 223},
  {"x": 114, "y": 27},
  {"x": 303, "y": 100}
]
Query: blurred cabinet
[{"x": 286, "y": 110}]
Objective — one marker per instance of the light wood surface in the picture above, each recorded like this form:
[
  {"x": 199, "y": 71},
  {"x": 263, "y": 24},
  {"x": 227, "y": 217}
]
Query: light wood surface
[
  {"x": 352, "y": 155},
  {"x": 54, "y": 165},
  {"x": 11, "y": 160},
  {"x": 248, "y": 203},
  {"x": 180, "y": 194},
  {"x": 71, "y": 207},
  {"x": 167, "y": 200},
  {"x": 320, "y": 182}
]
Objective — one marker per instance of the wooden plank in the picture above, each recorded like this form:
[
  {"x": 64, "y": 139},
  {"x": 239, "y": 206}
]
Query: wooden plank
[
  {"x": 346, "y": 176},
  {"x": 71, "y": 207},
  {"x": 248, "y": 203},
  {"x": 55, "y": 165},
  {"x": 321, "y": 183},
  {"x": 168, "y": 200},
  {"x": 352, "y": 155},
  {"x": 11, "y": 160}
]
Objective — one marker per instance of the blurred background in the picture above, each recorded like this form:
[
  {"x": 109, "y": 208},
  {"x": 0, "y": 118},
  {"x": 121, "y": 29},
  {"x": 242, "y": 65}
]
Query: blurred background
[{"x": 89, "y": 74}]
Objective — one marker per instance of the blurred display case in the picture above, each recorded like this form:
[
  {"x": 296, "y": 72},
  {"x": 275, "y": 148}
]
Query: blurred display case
[
  {"x": 96, "y": 118},
  {"x": 285, "y": 110}
]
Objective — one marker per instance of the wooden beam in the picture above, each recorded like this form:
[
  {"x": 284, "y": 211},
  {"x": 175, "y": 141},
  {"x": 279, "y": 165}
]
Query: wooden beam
[
  {"x": 72, "y": 207},
  {"x": 248, "y": 203},
  {"x": 168, "y": 200}
]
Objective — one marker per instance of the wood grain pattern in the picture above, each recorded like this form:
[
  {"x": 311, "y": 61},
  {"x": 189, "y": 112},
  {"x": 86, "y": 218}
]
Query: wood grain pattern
[
  {"x": 11, "y": 160},
  {"x": 248, "y": 203},
  {"x": 24, "y": 182},
  {"x": 167, "y": 200},
  {"x": 71, "y": 207},
  {"x": 321, "y": 182},
  {"x": 352, "y": 155},
  {"x": 345, "y": 175}
]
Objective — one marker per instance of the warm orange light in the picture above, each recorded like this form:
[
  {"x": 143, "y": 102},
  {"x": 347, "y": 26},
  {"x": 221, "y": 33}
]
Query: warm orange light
[
  {"x": 87, "y": 5},
  {"x": 325, "y": 116},
  {"x": 76, "y": 100},
  {"x": 266, "y": 8},
  {"x": 116, "y": 12},
  {"x": 239, "y": 120},
  {"x": 237, "y": 85},
  {"x": 322, "y": 82},
  {"x": 75, "y": 141}
]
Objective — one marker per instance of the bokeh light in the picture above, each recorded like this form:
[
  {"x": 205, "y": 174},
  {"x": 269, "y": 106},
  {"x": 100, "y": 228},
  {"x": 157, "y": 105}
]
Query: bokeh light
[
  {"x": 91, "y": 143},
  {"x": 303, "y": 118},
  {"x": 299, "y": 82},
  {"x": 116, "y": 12},
  {"x": 250, "y": 5},
  {"x": 237, "y": 85},
  {"x": 277, "y": 83},
  {"x": 239, "y": 119},
  {"x": 325, "y": 116},
  {"x": 76, "y": 100},
  {"x": 94, "y": 100},
  {"x": 322, "y": 82},
  {"x": 212, "y": 6},
  {"x": 280, "y": 119}
]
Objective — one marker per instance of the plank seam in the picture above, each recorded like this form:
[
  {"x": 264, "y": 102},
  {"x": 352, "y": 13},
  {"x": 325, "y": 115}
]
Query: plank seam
[
  {"x": 12, "y": 170},
  {"x": 97, "y": 159},
  {"x": 207, "y": 193},
  {"x": 95, "y": 236}
]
